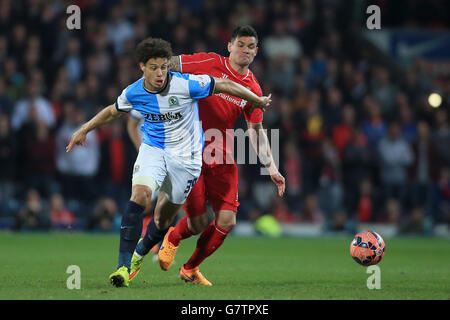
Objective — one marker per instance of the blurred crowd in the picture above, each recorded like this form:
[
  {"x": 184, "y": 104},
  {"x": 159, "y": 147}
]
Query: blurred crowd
[{"x": 355, "y": 145}]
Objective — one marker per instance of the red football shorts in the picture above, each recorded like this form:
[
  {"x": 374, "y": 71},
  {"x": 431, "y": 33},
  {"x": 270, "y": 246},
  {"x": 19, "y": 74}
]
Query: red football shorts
[{"x": 218, "y": 185}]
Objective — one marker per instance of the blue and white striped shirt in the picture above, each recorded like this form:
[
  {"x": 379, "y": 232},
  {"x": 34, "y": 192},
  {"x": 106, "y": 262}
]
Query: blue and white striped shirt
[{"x": 171, "y": 117}]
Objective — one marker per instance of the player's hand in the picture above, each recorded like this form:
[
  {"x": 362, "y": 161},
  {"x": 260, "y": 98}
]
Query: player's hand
[
  {"x": 78, "y": 138},
  {"x": 264, "y": 102},
  {"x": 279, "y": 181}
]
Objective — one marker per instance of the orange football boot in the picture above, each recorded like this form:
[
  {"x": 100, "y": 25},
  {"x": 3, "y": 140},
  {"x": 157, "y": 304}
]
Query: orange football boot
[
  {"x": 166, "y": 253},
  {"x": 194, "y": 276}
]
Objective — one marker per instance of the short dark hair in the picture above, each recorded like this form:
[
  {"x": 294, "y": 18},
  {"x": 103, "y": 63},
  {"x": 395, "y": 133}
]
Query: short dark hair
[
  {"x": 153, "y": 48},
  {"x": 244, "y": 31}
]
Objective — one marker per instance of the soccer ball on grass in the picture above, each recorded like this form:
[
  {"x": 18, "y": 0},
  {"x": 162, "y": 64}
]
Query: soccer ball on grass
[{"x": 367, "y": 248}]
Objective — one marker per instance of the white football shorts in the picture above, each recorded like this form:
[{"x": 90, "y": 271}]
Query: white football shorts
[{"x": 167, "y": 171}]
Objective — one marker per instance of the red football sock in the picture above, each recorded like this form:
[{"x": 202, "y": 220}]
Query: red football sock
[
  {"x": 180, "y": 232},
  {"x": 145, "y": 222},
  {"x": 210, "y": 240}
]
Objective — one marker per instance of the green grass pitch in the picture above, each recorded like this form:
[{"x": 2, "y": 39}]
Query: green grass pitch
[{"x": 245, "y": 268}]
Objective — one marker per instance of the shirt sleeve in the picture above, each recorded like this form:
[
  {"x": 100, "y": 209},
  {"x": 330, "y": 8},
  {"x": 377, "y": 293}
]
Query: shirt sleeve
[
  {"x": 201, "y": 86},
  {"x": 255, "y": 115},
  {"x": 199, "y": 62},
  {"x": 122, "y": 103},
  {"x": 136, "y": 115}
]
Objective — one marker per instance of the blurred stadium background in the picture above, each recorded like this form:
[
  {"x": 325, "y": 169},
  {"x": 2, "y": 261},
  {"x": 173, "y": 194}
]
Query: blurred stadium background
[{"x": 361, "y": 143}]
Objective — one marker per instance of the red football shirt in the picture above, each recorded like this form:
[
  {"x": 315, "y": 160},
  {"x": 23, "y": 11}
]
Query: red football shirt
[{"x": 221, "y": 110}]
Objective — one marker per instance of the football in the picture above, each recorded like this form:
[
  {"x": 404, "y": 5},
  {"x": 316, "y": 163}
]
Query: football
[{"x": 367, "y": 248}]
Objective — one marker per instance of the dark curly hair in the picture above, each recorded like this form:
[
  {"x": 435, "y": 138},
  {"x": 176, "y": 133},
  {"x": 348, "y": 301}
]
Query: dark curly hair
[
  {"x": 153, "y": 48},
  {"x": 244, "y": 31}
]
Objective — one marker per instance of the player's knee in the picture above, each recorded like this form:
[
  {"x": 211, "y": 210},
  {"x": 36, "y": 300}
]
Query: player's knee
[
  {"x": 141, "y": 195},
  {"x": 226, "y": 220},
  {"x": 227, "y": 225}
]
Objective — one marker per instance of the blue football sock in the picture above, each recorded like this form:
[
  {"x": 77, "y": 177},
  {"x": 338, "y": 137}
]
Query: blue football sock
[
  {"x": 152, "y": 236},
  {"x": 130, "y": 230}
]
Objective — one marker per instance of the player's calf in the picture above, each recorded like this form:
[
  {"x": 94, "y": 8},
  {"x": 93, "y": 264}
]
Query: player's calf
[
  {"x": 197, "y": 224},
  {"x": 130, "y": 230}
]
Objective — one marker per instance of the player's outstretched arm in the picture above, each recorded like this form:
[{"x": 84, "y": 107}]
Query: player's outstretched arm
[
  {"x": 104, "y": 116},
  {"x": 237, "y": 90},
  {"x": 260, "y": 143}
]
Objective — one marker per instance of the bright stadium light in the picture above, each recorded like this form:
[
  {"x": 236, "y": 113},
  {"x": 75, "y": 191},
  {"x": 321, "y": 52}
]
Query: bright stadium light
[{"x": 435, "y": 100}]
